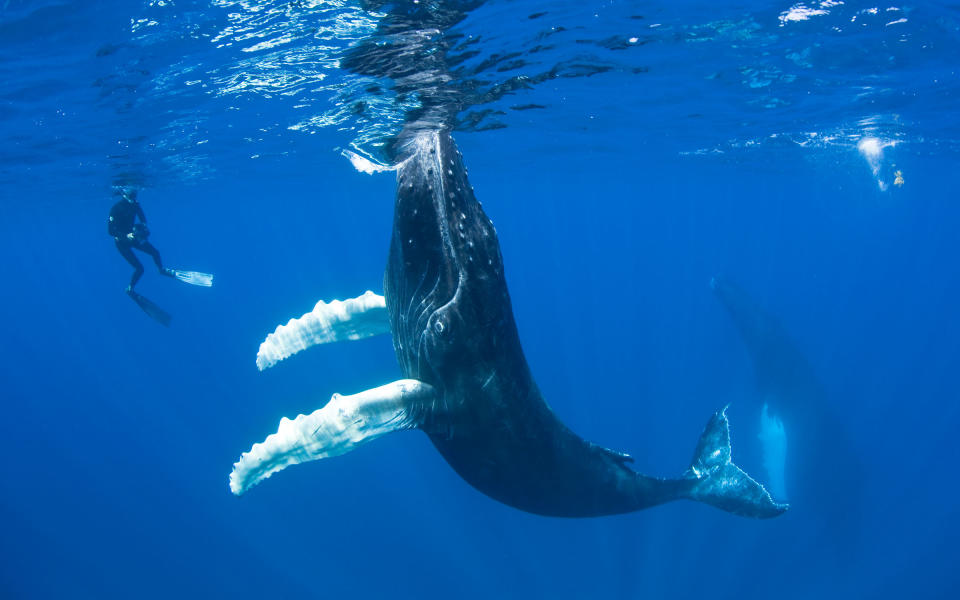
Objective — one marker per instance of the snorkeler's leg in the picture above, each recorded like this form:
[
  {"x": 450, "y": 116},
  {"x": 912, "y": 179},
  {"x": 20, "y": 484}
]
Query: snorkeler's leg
[
  {"x": 126, "y": 252},
  {"x": 154, "y": 254}
]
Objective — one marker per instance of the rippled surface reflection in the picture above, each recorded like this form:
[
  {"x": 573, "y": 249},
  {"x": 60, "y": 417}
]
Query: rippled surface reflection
[{"x": 186, "y": 89}]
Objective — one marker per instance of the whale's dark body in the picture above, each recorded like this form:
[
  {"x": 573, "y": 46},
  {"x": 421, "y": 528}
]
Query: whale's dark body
[
  {"x": 466, "y": 382},
  {"x": 453, "y": 328}
]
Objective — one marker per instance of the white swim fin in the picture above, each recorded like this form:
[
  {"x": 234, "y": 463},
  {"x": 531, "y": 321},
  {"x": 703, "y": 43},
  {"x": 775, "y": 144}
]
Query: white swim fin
[{"x": 192, "y": 277}]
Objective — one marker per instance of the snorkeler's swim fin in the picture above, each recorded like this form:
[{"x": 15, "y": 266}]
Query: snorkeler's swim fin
[
  {"x": 192, "y": 277},
  {"x": 153, "y": 311}
]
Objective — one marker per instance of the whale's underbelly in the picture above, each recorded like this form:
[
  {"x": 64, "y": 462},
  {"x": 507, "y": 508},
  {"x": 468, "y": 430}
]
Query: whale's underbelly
[{"x": 510, "y": 446}]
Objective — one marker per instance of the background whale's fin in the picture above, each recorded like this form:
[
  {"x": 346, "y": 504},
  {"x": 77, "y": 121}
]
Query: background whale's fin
[
  {"x": 773, "y": 440},
  {"x": 352, "y": 319},
  {"x": 718, "y": 482},
  {"x": 343, "y": 424}
]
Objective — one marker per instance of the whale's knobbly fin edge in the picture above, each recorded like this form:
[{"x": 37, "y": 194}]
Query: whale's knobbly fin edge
[
  {"x": 353, "y": 319},
  {"x": 343, "y": 424},
  {"x": 365, "y": 165},
  {"x": 718, "y": 482}
]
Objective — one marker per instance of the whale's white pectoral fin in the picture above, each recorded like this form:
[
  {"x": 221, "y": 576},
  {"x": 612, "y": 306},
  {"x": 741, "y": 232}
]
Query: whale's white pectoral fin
[
  {"x": 353, "y": 319},
  {"x": 343, "y": 424}
]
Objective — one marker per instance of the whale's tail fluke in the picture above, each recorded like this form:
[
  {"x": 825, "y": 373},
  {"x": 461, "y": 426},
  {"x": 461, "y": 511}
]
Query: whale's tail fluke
[{"x": 716, "y": 481}]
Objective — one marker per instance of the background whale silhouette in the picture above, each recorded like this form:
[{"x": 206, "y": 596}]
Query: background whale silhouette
[{"x": 821, "y": 470}]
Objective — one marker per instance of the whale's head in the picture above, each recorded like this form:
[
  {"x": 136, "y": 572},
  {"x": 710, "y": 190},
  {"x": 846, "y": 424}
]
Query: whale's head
[{"x": 444, "y": 281}]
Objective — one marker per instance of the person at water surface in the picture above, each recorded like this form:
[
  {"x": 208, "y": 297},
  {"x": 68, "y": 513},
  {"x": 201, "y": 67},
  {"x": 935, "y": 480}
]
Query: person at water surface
[{"x": 128, "y": 234}]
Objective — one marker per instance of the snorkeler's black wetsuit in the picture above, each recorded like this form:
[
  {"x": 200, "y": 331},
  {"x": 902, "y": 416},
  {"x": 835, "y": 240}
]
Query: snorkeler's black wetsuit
[{"x": 123, "y": 216}]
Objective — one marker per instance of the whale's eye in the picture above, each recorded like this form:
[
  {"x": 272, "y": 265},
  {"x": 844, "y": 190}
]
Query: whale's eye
[{"x": 438, "y": 326}]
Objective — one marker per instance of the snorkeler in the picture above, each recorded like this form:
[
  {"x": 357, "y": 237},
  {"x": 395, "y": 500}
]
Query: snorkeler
[{"x": 128, "y": 234}]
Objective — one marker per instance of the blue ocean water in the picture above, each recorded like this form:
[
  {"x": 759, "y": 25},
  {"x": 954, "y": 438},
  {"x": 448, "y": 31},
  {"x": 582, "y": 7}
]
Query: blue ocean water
[{"x": 627, "y": 153}]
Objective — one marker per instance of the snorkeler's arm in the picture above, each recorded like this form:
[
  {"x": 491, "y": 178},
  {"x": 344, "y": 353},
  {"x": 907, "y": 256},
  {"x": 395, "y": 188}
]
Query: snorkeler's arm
[
  {"x": 113, "y": 228},
  {"x": 143, "y": 218}
]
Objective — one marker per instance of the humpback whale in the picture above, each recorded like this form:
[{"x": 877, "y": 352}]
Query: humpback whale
[
  {"x": 466, "y": 382},
  {"x": 805, "y": 449}
]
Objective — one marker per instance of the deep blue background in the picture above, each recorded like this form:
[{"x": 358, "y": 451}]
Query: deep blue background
[{"x": 118, "y": 434}]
